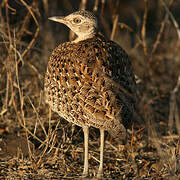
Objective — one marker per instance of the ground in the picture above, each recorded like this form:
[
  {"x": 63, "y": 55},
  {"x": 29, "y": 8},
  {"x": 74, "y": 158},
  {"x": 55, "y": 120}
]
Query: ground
[{"x": 37, "y": 144}]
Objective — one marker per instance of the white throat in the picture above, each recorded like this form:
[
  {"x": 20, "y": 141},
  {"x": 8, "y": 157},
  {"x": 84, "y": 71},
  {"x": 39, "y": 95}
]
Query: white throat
[
  {"x": 82, "y": 38},
  {"x": 83, "y": 35}
]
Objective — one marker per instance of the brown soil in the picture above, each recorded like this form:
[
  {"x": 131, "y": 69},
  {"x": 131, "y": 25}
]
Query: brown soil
[{"x": 36, "y": 143}]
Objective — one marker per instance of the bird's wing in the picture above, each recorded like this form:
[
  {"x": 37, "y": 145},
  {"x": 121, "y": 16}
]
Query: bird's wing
[{"x": 109, "y": 84}]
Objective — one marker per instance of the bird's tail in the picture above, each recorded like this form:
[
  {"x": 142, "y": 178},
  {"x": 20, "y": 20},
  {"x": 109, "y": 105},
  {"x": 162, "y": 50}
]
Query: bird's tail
[{"x": 118, "y": 133}]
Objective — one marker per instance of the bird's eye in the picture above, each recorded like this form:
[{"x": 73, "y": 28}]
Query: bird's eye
[{"x": 76, "y": 20}]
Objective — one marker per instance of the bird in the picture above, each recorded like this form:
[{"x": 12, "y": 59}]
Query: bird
[{"x": 90, "y": 82}]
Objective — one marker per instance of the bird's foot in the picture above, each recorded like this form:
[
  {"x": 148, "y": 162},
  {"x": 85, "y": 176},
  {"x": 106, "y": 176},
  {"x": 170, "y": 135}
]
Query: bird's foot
[
  {"x": 100, "y": 174},
  {"x": 85, "y": 174}
]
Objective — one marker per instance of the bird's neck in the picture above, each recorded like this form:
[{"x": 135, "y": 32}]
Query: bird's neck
[{"x": 83, "y": 36}]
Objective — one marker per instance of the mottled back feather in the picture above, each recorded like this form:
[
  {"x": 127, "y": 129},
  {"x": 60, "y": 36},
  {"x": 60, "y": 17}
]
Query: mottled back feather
[{"x": 92, "y": 83}]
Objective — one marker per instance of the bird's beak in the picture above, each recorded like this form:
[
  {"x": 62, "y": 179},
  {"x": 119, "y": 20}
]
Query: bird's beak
[{"x": 59, "y": 19}]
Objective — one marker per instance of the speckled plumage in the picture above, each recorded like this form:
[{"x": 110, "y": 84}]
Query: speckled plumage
[{"x": 91, "y": 83}]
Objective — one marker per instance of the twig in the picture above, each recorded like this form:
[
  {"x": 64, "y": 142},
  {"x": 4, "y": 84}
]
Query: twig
[
  {"x": 96, "y": 6},
  {"x": 37, "y": 29},
  {"x": 115, "y": 23},
  {"x": 172, "y": 18},
  {"x": 46, "y": 6},
  {"x": 143, "y": 30},
  {"x": 124, "y": 26},
  {"x": 104, "y": 23},
  {"x": 26, "y": 20},
  {"x": 115, "y": 148},
  {"x": 132, "y": 139},
  {"x": 8, "y": 57},
  {"x": 173, "y": 111},
  {"x": 83, "y": 4},
  {"x": 9, "y": 7},
  {"x": 171, "y": 137},
  {"x": 159, "y": 34},
  {"x": 37, "y": 116}
]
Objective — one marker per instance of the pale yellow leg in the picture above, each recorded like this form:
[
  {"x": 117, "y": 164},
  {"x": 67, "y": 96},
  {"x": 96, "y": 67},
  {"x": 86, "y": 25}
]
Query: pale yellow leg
[
  {"x": 86, "y": 139},
  {"x": 100, "y": 170}
]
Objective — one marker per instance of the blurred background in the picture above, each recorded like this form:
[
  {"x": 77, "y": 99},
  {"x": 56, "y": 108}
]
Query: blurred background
[{"x": 147, "y": 30}]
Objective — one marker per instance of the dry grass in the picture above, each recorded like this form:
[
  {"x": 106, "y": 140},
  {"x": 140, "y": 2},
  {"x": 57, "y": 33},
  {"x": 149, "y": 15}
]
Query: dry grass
[{"x": 37, "y": 144}]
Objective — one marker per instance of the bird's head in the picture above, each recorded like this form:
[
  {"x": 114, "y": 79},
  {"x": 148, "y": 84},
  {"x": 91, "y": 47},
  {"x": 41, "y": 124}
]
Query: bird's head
[{"x": 82, "y": 23}]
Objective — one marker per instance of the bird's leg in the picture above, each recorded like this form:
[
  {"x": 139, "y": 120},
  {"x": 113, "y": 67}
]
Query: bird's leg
[
  {"x": 86, "y": 139},
  {"x": 100, "y": 170}
]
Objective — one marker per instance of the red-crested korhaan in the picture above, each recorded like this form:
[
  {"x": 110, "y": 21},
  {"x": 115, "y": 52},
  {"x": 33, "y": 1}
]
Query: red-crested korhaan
[{"x": 90, "y": 82}]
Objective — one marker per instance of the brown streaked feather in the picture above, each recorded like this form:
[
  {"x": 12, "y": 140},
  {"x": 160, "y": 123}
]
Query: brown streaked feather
[{"x": 92, "y": 82}]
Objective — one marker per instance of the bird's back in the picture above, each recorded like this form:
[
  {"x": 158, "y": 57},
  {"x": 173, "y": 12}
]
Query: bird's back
[{"x": 91, "y": 83}]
